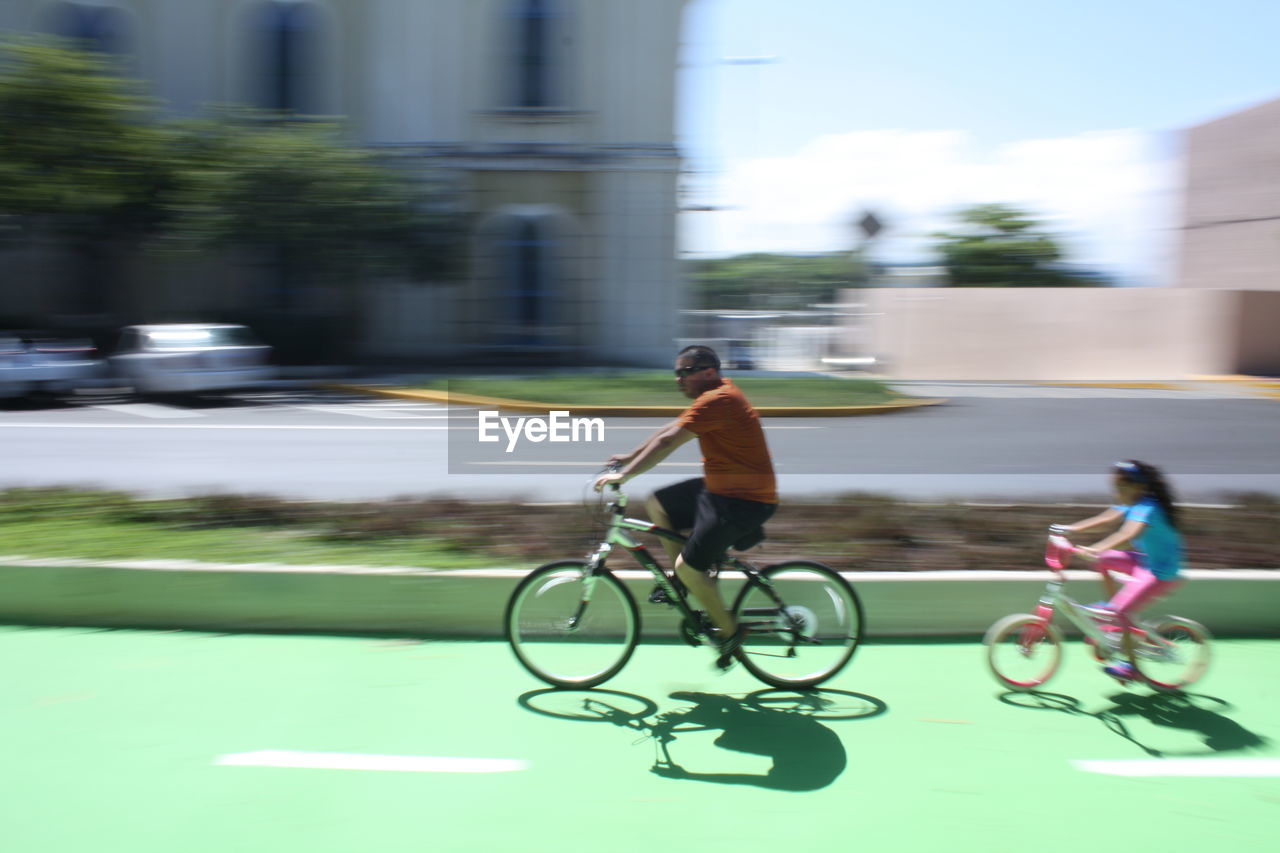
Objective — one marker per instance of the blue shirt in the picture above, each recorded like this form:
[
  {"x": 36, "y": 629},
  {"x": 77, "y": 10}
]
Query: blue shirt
[{"x": 1159, "y": 545}]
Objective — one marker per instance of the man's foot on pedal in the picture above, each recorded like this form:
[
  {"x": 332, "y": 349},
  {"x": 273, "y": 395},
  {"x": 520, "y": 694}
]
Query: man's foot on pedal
[
  {"x": 659, "y": 596},
  {"x": 1123, "y": 671},
  {"x": 729, "y": 649}
]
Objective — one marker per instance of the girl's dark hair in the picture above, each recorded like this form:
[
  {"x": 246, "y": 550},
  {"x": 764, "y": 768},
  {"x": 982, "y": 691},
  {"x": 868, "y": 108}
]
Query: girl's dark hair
[{"x": 1150, "y": 476}]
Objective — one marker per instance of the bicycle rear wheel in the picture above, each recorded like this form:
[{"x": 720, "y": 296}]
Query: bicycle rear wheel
[
  {"x": 1023, "y": 651},
  {"x": 804, "y": 635},
  {"x": 571, "y": 628},
  {"x": 1174, "y": 654}
]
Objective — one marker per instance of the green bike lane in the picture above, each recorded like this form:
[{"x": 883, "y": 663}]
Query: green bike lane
[{"x": 151, "y": 741}]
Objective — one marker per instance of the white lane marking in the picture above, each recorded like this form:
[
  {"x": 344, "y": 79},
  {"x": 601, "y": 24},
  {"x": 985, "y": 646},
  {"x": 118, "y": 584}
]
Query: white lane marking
[
  {"x": 595, "y": 464},
  {"x": 150, "y": 410},
  {"x": 770, "y": 428},
  {"x": 377, "y": 410},
  {"x": 223, "y": 426},
  {"x": 1184, "y": 767},
  {"x": 369, "y": 761}
]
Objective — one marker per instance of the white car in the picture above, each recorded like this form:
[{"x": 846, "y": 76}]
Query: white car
[
  {"x": 33, "y": 362},
  {"x": 185, "y": 358}
]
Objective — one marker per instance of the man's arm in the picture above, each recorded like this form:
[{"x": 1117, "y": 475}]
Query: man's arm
[
  {"x": 621, "y": 459},
  {"x": 659, "y": 446}
]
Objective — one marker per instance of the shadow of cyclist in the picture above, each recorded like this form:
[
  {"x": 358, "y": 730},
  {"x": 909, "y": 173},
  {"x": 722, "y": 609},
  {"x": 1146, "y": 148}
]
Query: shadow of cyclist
[
  {"x": 1185, "y": 711},
  {"x": 806, "y": 754},
  {"x": 781, "y": 725},
  {"x": 1182, "y": 711}
]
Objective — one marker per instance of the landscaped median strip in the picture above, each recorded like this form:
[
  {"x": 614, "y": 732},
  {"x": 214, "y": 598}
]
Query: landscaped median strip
[{"x": 471, "y": 400}]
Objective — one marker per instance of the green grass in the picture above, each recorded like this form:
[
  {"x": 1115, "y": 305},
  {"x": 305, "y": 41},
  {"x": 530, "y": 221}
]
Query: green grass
[
  {"x": 104, "y": 540},
  {"x": 85, "y": 525},
  {"x": 658, "y": 388}
]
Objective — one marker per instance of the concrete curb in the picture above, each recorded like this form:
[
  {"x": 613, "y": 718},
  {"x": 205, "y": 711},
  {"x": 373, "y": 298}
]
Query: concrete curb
[
  {"x": 631, "y": 411},
  {"x": 470, "y": 603}
]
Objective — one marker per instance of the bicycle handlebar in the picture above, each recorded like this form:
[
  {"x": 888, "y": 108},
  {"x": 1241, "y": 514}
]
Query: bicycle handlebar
[{"x": 1058, "y": 552}]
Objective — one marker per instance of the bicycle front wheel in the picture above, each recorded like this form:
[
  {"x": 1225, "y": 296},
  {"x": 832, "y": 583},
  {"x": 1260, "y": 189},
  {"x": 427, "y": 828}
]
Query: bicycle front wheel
[
  {"x": 1023, "y": 651},
  {"x": 805, "y": 623},
  {"x": 570, "y": 627},
  {"x": 1174, "y": 653}
]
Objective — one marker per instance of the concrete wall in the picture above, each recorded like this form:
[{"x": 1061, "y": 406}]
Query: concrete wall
[
  {"x": 418, "y": 602},
  {"x": 1231, "y": 202},
  {"x": 1066, "y": 333}
]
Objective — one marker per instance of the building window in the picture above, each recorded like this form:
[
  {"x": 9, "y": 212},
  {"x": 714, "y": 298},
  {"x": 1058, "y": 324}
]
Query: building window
[
  {"x": 286, "y": 41},
  {"x": 528, "y": 285},
  {"x": 98, "y": 28},
  {"x": 536, "y": 29}
]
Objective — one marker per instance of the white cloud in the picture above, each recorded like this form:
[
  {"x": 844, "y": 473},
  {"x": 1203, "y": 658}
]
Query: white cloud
[{"x": 1108, "y": 194}]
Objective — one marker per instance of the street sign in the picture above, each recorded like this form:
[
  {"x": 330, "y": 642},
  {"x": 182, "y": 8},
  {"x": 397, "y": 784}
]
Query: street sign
[{"x": 870, "y": 225}]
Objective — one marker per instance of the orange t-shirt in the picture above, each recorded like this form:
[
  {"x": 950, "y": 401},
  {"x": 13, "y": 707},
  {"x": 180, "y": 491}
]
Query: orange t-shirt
[{"x": 735, "y": 457}]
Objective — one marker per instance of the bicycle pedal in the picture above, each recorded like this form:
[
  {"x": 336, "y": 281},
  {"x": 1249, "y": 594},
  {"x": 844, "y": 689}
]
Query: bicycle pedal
[{"x": 659, "y": 596}]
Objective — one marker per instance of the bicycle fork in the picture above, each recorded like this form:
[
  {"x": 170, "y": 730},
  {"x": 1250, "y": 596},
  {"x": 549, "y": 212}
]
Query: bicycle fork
[{"x": 589, "y": 580}]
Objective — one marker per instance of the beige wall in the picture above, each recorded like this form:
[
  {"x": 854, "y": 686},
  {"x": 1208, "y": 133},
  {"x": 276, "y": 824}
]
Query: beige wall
[
  {"x": 1231, "y": 202},
  {"x": 1066, "y": 333}
]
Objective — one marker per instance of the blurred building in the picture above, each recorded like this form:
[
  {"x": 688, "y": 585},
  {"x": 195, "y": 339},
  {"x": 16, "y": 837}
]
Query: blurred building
[
  {"x": 1231, "y": 202},
  {"x": 552, "y": 120}
]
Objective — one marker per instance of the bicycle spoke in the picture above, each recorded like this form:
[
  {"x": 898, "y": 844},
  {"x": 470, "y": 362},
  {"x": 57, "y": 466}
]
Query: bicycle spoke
[
  {"x": 813, "y": 624},
  {"x": 565, "y": 638}
]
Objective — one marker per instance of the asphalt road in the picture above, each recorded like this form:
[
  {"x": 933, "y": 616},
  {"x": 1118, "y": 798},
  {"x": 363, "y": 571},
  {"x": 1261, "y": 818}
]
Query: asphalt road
[{"x": 322, "y": 445}]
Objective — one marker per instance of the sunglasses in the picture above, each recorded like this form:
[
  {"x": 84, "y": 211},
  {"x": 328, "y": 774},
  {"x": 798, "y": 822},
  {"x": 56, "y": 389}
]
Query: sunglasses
[{"x": 682, "y": 372}]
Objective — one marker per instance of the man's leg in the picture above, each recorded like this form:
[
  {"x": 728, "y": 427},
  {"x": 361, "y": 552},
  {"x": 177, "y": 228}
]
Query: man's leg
[
  {"x": 658, "y": 515},
  {"x": 707, "y": 593}
]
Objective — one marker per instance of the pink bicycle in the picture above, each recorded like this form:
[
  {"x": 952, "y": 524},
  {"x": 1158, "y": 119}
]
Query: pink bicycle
[{"x": 1024, "y": 650}]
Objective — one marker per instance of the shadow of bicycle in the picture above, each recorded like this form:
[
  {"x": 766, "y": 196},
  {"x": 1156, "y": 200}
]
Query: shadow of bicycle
[
  {"x": 1190, "y": 712},
  {"x": 782, "y": 725}
]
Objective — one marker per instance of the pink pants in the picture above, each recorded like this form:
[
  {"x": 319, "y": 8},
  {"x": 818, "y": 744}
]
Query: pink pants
[{"x": 1140, "y": 588}]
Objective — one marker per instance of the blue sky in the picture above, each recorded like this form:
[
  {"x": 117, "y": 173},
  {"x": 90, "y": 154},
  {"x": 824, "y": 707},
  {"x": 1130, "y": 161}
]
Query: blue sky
[{"x": 915, "y": 108}]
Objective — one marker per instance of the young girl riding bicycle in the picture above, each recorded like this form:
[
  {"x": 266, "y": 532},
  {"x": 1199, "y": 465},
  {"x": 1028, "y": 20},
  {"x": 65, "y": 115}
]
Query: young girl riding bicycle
[{"x": 1147, "y": 548}]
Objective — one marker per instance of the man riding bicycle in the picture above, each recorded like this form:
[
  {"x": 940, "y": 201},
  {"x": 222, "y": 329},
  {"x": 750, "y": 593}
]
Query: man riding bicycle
[{"x": 729, "y": 504}]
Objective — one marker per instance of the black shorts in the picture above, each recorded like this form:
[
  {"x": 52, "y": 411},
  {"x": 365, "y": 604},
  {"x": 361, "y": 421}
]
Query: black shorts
[{"x": 717, "y": 522}]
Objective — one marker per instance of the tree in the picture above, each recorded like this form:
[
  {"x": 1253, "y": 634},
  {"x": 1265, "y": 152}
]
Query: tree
[
  {"x": 76, "y": 149},
  {"x": 315, "y": 212},
  {"x": 1001, "y": 246},
  {"x": 773, "y": 282},
  {"x": 79, "y": 157},
  {"x": 84, "y": 155},
  {"x": 296, "y": 194}
]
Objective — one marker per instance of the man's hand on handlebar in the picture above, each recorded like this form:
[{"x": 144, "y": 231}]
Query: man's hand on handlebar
[{"x": 611, "y": 477}]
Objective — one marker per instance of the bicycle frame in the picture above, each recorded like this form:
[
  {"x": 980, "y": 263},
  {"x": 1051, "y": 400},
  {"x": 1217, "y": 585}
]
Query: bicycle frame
[
  {"x": 1107, "y": 643},
  {"x": 616, "y": 535}
]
